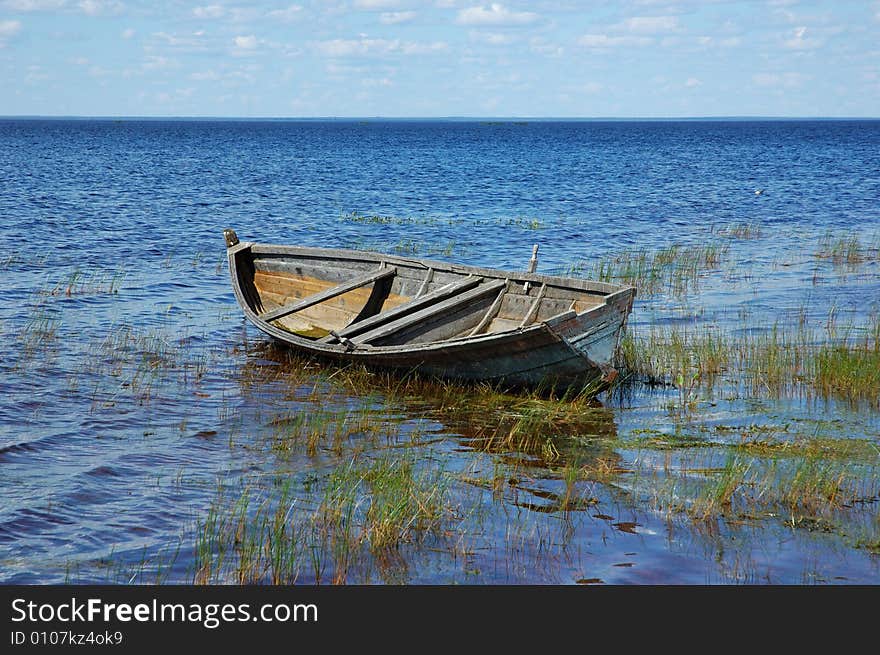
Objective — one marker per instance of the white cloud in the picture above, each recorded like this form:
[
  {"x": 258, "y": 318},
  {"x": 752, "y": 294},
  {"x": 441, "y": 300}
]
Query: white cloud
[
  {"x": 649, "y": 24},
  {"x": 605, "y": 41},
  {"x": 155, "y": 62},
  {"x": 787, "y": 80},
  {"x": 209, "y": 11},
  {"x": 592, "y": 87},
  {"x": 248, "y": 42},
  {"x": 370, "y": 82},
  {"x": 397, "y": 17},
  {"x": 692, "y": 82},
  {"x": 79, "y": 61},
  {"x": 205, "y": 76},
  {"x": 291, "y": 13},
  {"x": 127, "y": 33},
  {"x": 33, "y": 5},
  {"x": 333, "y": 68},
  {"x": 8, "y": 29},
  {"x": 366, "y": 46},
  {"x": 799, "y": 40},
  {"x": 98, "y": 7},
  {"x": 543, "y": 47},
  {"x": 411, "y": 48},
  {"x": 492, "y": 38},
  {"x": 193, "y": 41},
  {"x": 496, "y": 14},
  {"x": 377, "y": 4}
]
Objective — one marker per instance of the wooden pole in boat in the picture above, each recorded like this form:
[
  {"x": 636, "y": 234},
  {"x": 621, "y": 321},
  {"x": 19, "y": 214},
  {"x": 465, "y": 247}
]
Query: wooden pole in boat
[{"x": 533, "y": 264}]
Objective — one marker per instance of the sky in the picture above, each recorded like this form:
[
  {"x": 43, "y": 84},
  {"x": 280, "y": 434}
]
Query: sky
[{"x": 437, "y": 58}]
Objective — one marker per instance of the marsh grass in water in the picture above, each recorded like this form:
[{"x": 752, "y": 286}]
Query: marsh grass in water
[
  {"x": 848, "y": 249},
  {"x": 675, "y": 270},
  {"x": 801, "y": 490},
  {"x": 787, "y": 359},
  {"x": 362, "y": 510},
  {"x": 522, "y": 222},
  {"x": 95, "y": 282}
]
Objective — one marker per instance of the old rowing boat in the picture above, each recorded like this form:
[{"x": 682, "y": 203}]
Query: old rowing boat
[{"x": 512, "y": 329}]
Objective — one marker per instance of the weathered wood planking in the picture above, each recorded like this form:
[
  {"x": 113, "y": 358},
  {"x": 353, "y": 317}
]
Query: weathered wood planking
[
  {"x": 398, "y": 311},
  {"x": 428, "y": 314},
  {"x": 327, "y": 294}
]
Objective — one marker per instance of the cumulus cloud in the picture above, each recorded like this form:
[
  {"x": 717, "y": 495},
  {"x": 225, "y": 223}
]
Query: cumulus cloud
[
  {"x": 205, "y": 76},
  {"x": 291, "y": 13},
  {"x": 9, "y": 28},
  {"x": 127, "y": 33},
  {"x": 492, "y": 38},
  {"x": 156, "y": 62},
  {"x": 711, "y": 41},
  {"x": 787, "y": 80},
  {"x": 496, "y": 14},
  {"x": 541, "y": 46},
  {"x": 98, "y": 7},
  {"x": 372, "y": 82},
  {"x": 800, "y": 40},
  {"x": 649, "y": 24},
  {"x": 396, "y": 17},
  {"x": 377, "y": 4},
  {"x": 602, "y": 41},
  {"x": 209, "y": 11},
  {"x": 193, "y": 42},
  {"x": 248, "y": 42},
  {"x": 377, "y": 47},
  {"x": 692, "y": 82},
  {"x": 24, "y": 6}
]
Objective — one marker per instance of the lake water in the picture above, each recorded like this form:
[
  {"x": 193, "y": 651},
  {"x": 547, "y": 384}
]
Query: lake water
[{"x": 132, "y": 387}]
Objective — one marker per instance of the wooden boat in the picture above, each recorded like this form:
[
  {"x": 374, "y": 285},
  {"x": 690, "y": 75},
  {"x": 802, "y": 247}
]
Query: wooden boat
[{"x": 511, "y": 329}]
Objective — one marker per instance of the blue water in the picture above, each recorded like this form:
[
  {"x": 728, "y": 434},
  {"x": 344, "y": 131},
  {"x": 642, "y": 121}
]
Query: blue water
[{"x": 112, "y": 230}]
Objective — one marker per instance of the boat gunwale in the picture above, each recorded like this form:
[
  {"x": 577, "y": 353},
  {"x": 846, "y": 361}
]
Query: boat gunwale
[{"x": 577, "y": 284}]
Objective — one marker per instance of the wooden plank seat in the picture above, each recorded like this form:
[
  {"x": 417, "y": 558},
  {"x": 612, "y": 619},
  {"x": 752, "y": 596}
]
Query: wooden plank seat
[
  {"x": 327, "y": 294},
  {"x": 411, "y": 305},
  {"x": 428, "y": 312}
]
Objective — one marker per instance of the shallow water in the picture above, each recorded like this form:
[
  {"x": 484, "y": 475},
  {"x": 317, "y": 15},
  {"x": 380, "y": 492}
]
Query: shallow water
[{"x": 132, "y": 387}]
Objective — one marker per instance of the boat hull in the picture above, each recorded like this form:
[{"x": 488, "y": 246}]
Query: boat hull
[{"x": 568, "y": 350}]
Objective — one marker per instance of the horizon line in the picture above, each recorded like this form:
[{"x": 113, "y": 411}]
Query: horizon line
[{"x": 732, "y": 117}]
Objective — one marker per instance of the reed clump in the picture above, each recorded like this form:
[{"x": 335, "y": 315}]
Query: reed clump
[
  {"x": 803, "y": 489},
  {"x": 96, "y": 282},
  {"x": 786, "y": 359},
  {"x": 846, "y": 249},
  {"x": 675, "y": 269},
  {"x": 743, "y": 231}
]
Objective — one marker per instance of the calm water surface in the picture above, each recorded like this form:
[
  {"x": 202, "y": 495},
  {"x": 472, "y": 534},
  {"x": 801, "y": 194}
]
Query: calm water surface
[{"x": 132, "y": 387}]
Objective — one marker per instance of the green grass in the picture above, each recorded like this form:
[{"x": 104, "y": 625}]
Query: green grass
[
  {"x": 788, "y": 359},
  {"x": 675, "y": 270},
  {"x": 278, "y": 534}
]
